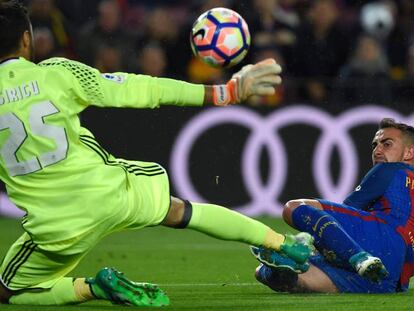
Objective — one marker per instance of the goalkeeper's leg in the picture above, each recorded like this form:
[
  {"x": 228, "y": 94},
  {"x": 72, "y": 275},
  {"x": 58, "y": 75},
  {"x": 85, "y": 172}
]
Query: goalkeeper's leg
[
  {"x": 226, "y": 224},
  {"x": 30, "y": 275},
  {"x": 109, "y": 284},
  {"x": 65, "y": 291}
]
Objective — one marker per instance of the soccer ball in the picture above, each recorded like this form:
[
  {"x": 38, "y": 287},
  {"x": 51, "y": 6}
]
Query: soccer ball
[{"x": 220, "y": 37}]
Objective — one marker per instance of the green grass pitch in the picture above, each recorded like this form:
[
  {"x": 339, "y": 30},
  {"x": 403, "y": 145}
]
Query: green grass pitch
[{"x": 199, "y": 273}]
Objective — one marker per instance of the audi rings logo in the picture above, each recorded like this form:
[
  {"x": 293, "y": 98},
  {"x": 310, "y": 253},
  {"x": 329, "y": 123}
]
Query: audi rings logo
[{"x": 264, "y": 133}]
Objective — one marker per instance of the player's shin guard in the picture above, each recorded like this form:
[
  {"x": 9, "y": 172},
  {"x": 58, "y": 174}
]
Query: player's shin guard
[
  {"x": 61, "y": 293},
  {"x": 330, "y": 238},
  {"x": 225, "y": 224}
]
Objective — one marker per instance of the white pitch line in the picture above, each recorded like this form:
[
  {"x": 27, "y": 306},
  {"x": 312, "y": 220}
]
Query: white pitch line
[{"x": 209, "y": 284}]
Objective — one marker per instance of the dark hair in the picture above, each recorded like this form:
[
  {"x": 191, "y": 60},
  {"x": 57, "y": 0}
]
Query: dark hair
[
  {"x": 406, "y": 130},
  {"x": 14, "y": 21}
]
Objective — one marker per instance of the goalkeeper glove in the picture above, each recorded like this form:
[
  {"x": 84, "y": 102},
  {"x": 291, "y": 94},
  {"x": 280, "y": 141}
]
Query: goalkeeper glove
[{"x": 258, "y": 79}]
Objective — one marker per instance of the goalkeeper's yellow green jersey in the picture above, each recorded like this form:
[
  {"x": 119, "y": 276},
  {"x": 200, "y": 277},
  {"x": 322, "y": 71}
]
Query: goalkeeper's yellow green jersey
[{"x": 61, "y": 182}]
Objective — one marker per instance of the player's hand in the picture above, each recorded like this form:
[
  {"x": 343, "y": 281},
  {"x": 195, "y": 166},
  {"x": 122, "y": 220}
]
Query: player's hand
[{"x": 258, "y": 79}]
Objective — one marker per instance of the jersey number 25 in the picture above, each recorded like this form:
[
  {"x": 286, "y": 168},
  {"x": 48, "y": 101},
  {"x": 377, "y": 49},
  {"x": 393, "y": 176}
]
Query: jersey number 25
[{"x": 18, "y": 135}]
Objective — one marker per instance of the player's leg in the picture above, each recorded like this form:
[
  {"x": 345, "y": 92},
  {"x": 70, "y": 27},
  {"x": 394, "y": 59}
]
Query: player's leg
[
  {"x": 31, "y": 275},
  {"x": 109, "y": 284},
  {"x": 151, "y": 204},
  {"x": 26, "y": 266},
  {"x": 277, "y": 259},
  {"x": 285, "y": 280},
  {"x": 330, "y": 237},
  {"x": 322, "y": 277},
  {"x": 309, "y": 216},
  {"x": 223, "y": 223}
]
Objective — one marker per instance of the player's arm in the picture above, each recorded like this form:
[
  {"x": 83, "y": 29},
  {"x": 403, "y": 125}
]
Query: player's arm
[
  {"x": 145, "y": 91},
  {"x": 140, "y": 91},
  {"x": 373, "y": 185}
]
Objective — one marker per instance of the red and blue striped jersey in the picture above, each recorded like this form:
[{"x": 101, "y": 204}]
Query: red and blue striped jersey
[{"x": 387, "y": 191}]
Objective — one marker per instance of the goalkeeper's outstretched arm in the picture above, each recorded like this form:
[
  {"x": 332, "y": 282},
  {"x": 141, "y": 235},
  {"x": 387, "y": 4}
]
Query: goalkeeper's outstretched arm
[
  {"x": 90, "y": 87},
  {"x": 258, "y": 79}
]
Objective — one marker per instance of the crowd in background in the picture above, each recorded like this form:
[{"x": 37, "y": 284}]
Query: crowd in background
[{"x": 332, "y": 51}]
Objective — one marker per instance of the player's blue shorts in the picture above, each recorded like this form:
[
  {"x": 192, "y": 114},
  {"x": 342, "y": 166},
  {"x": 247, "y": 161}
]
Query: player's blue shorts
[{"x": 375, "y": 237}]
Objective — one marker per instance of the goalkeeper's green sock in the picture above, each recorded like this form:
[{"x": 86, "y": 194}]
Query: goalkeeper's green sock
[
  {"x": 65, "y": 291},
  {"x": 225, "y": 224}
]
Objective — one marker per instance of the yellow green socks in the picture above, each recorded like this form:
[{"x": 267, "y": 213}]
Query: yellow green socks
[
  {"x": 62, "y": 293},
  {"x": 225, "y": 224}
]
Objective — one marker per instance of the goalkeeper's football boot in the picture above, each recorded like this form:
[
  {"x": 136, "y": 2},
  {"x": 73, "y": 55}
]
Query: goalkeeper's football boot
[
  {"x": 368, "y": 266},
  {"x": 274, "y": 259},
  {"x": 298, "y": 247},
  {"x": 112, "y": 285},
  {"x": 279, "y": 279}
]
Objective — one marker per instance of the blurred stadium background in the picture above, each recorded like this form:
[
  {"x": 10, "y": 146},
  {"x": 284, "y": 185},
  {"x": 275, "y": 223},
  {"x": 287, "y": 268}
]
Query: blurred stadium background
[{"x": 347, "y": 63}]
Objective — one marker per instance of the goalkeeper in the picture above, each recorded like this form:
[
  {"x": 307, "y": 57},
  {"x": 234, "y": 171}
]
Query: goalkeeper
[{"x": 74, "y": 192}]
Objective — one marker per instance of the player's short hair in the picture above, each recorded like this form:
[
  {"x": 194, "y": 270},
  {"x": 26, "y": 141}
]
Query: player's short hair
[
  {"x": 14, "y": 21},
  {"x": 406, "y": 130}
]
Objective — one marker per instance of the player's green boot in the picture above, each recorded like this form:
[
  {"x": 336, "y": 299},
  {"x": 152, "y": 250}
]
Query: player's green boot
[
  {"x": 274, "y": 259},
  {"x": 112, "y": 285},
  {"x": 298, "y": 247},
  {"x": 368, "y": 266}
]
